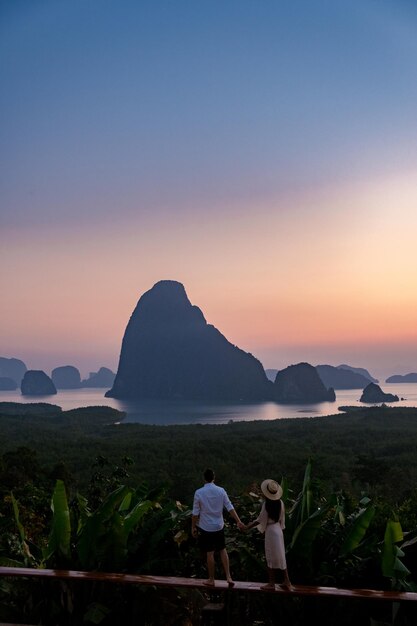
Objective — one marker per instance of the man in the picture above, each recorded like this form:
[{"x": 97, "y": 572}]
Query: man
[{"x": 207, "y": 516}]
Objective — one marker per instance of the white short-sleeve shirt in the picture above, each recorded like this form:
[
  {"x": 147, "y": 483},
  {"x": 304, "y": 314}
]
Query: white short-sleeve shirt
[{"x": 209, "y": 502}]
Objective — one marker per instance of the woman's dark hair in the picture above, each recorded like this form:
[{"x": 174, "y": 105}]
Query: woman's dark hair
[{"x": 273, "y": 508}]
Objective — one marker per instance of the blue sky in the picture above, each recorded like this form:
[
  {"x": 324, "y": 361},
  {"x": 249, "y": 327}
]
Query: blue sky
[{"x": 185, "y": 122}]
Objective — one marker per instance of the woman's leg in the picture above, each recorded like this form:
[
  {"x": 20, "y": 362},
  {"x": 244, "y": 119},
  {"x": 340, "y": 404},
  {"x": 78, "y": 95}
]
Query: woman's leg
[
  {"x": 286, "y": 580},
  {"x": 271, "y": 580}
]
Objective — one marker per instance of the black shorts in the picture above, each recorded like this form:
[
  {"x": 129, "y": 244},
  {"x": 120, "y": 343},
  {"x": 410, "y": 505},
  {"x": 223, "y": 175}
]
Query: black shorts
[{"x": 211, "y": 541}]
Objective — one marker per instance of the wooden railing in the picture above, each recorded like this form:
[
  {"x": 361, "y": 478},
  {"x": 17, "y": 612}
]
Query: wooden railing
[{"x": 170, "y": 581}]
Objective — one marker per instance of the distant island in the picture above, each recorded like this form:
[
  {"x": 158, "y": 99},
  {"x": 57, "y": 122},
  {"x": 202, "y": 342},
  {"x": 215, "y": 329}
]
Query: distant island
[
  {"x": 341, "y": 377},
  {"x": 14, "y": 374},
  {"x": 373, "y": 394},
  {"x": 337, "y": 377},
  {"x": 407, "y": 378}
]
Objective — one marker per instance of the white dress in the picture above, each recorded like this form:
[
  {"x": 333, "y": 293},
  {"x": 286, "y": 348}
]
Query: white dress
[{"x": 274, "y": 538}]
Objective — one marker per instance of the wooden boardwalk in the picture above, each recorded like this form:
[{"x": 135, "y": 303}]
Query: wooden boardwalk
[{"x": 198, "y": 583}]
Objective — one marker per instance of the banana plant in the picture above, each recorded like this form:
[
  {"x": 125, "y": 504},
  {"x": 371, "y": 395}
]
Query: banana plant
[
  {"x": 324, "y": 541},
  {"x": 391, "y": 555},
  {"x": 27, "y": 558},
  {"x": 102, "y": 535},
  {"x": 304, "y": 503},
  {"x": 59, "y": 544},
  {"x": 359, "y": 524},
  {"x": 304, "y": 521}
]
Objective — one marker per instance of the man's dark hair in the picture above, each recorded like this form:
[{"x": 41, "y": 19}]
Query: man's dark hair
[{"x": 208, "y": 475}]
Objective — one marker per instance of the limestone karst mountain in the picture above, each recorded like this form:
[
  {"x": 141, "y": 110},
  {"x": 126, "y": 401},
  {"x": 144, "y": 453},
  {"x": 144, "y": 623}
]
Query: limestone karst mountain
[
  {"x": 358, "y": 370},
  {"x": 337, "y": 377},
  {"x": 169, "y": 351},
  {"x": 66, "y": 377},
  {"x": 7, "y": 384},
  {"x": 399, "y": 378},
  {"x": 341, "y": 378},
  {"x": 301, "y": 383},
  {"x": 12, "y": 368},
  {"x": 103, "y": 378},
  {"x": 373, "y": 394},
  {"x": 37, "y": 383}
]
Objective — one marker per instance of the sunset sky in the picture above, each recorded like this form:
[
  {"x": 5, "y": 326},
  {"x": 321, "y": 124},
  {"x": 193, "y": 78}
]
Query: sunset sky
[{"x": 261, "y": 152}]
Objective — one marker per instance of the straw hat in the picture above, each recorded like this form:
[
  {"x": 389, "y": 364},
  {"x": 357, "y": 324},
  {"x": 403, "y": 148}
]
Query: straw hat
[{"x": 271, "y": 489}]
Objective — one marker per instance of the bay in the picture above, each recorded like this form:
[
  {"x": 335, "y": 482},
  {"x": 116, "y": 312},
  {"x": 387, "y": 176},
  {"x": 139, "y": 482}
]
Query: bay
[{"x": 164, "y": 413}]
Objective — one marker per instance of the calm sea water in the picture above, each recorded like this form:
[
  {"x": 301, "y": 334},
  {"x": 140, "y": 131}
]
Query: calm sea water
[{"x": 193, "y": 413}]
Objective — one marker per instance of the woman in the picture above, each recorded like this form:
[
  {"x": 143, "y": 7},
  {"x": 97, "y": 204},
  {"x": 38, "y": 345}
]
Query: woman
[{"x": 271, "y": 521}]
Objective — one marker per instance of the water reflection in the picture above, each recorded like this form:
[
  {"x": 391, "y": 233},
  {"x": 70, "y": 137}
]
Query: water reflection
[{"x": 152, "y": 412}]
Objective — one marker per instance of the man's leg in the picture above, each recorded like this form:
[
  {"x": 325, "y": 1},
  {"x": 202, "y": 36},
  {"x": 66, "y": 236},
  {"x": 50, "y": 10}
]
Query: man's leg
[
  {"x": 225, "y": 562},
  {"x": 210, "y": 568}
]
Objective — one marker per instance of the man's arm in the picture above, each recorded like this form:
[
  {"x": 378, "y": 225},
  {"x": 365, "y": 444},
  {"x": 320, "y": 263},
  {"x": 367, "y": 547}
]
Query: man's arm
[
  {"x": 236, "y": 517},
  {"x": 194, "y": 520},
  {"x": 231, "y": 510},
  {"x": 195, "y": 514}
]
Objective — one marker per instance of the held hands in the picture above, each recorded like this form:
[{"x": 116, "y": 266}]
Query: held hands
[{"x": 246, "y": 527}]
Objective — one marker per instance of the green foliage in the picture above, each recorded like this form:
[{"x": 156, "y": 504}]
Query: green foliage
[
  {"x": 102, "y": 537},
  {"x": 392, "y": 554},
  {"x": 350, "y": 452},
  {"x": 24, "y": 548},
  {"x": 126, "y": 513},
  {"x": 89, "y": 540},
  {"x": 60, "y": 535},
  {"x": 359, "y": 525}
]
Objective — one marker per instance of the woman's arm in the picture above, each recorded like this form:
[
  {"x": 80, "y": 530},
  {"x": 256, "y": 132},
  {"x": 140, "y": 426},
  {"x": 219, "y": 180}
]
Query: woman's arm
[{"x": 252, "y": 524}]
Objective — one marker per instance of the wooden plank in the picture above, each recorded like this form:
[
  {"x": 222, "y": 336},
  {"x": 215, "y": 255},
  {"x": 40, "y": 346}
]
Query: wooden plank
[{"x": 170, "y": 581}]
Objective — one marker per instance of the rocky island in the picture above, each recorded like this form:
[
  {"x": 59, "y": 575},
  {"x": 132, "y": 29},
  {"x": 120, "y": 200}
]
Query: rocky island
[{"x": 169, "y": 351}]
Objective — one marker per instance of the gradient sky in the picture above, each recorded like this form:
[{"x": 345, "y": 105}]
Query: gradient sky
[{"x": 263, "y": 153}]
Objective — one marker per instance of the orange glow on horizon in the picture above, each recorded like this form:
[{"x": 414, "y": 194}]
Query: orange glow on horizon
[{"x": 273, "y": 276}]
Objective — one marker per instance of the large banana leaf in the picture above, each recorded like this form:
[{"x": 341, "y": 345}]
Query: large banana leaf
[
  {"x": 89, "y": 537},
  {"x": 357, "y": 530},
  {"x": 410, "y": 539},
  {"x": 126, "y": 502},
  {"x": 307, "y": 499},
  {"x": 28, "y": 558},
  {"x": 17, "y": 519},
  {"x": 302, "y": 507},
  {"x": 305, "y": 534},
  {"x": 93, "y": 526},
  {"x": 135, "y": 515},
  {"x": 6, "y": 562},
  {"x": 103, "y": 534},
  {"x": 113, "y": 501},
  {"x": 60, "y": 536},
  {"x": 84, "y": 512},
  {"x": 111, "y": 548},
  {"x": 391, "y": 565}
]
